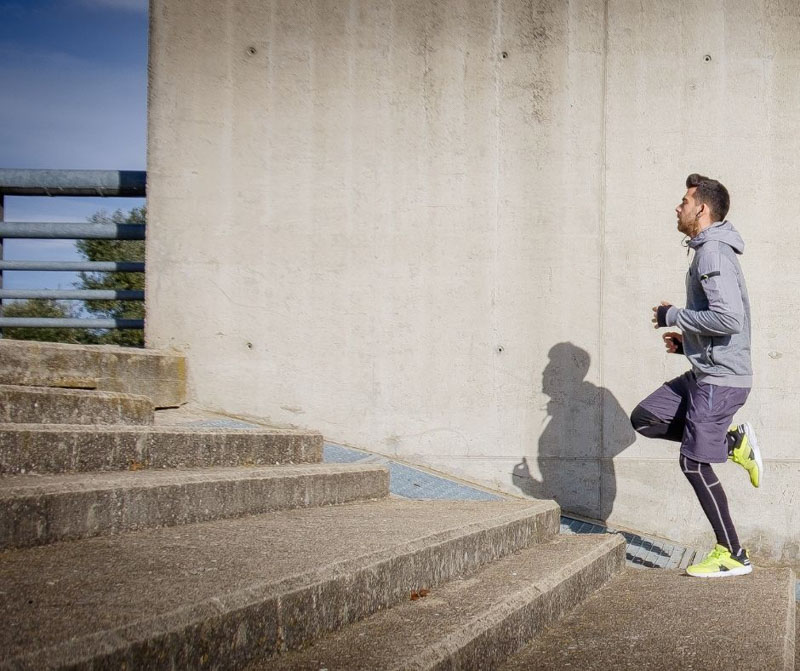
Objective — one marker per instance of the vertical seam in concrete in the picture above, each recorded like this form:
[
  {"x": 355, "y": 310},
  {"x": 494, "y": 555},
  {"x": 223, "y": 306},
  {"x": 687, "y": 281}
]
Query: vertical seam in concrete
[
  {"x": 602, "y": 243},
  {"x": 498, "y": 33},
  {"x": 226, "y": 167}
]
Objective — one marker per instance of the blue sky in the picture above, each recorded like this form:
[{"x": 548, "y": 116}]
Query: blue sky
[{"x": 73, "y": 76}]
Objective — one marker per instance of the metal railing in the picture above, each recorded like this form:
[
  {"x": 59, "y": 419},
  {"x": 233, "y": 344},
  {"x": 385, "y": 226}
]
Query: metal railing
[{"x": 103, "y": 183}]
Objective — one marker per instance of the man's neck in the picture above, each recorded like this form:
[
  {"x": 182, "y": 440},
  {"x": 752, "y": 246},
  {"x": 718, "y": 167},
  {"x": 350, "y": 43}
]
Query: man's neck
[{"x": 701, "y": 226}]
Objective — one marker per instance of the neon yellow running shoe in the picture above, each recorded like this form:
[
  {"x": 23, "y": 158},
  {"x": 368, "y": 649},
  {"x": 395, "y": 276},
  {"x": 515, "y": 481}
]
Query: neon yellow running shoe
[
  {"x": 721, "y": 564},
  {"x": 745, "y": 452}
]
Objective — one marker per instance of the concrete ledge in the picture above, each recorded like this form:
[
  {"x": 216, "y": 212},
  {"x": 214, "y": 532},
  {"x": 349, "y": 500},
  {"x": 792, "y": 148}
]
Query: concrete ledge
[
  {"x": 60, "y": 448},
  {"x": 663, "y": 619},
  {"x": 218, "y": 594},
  {"x": 35, "y": 510},
  {"x": 474, "y": 622},
  {"x": 42, "y": 405},
  {"x": 161, "y": 376}
]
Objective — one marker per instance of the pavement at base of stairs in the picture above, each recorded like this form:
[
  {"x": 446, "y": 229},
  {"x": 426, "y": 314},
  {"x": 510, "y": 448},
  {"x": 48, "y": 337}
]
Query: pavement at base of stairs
[{"x": 412, "y": 482}]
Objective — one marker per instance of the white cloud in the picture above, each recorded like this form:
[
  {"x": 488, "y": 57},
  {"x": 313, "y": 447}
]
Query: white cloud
[{"x": 126, "y": 5}]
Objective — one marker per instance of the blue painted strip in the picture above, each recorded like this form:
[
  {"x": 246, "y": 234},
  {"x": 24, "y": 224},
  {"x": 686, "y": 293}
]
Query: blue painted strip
[{"x": 410, "y": 482}]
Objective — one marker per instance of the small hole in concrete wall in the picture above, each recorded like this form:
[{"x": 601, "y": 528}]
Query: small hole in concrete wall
[
  {"x": 707, "y": 58},
  {"x": 500, "y": 349},
  {"x": 504, "y": 54},
  {"x": 251, "y": 51},
  {"x": 249, "y": 345}
]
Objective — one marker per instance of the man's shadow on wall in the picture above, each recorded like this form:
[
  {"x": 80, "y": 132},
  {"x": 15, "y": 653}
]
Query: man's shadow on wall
[{"x": 587, "y": 428}]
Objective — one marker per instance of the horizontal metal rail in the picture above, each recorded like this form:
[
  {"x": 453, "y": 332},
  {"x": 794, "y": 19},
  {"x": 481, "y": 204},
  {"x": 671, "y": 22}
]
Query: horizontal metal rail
[
  {"x": 43, "y": 322},
  {"x": 104, "y": 183},
  {"x": 76, "y": 294},
  {"x": 76, "y": 266},
  {"x": 70, "y": 231}
]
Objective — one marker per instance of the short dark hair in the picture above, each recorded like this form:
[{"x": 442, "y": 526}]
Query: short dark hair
[{"x": 710, "y": 192}]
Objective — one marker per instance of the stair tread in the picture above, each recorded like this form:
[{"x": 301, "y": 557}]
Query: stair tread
[
  {"x": 662, "y": 619},
  {"x": 425, "y": 632},
  {"x": 98, "y": 594},
  {"x": 154, "y": 429},
  {"x": 12, "y": 486},
  {"x": 68, "y": 393}
]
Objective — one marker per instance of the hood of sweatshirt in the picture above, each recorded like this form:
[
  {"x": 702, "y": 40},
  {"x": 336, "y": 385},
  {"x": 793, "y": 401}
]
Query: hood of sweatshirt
[{"x": 723, "y": 231}]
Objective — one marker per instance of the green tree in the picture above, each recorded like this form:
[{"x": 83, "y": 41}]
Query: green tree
[
  {"x": 115, "y": 250},
  {"x": 42, "y": 307}
]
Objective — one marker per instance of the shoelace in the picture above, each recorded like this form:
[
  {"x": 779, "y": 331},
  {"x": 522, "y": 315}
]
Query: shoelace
[{"x": 716, "y": 554}]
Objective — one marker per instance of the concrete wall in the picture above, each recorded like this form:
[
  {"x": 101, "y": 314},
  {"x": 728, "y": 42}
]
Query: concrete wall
[{"x": 435, "y": 228}]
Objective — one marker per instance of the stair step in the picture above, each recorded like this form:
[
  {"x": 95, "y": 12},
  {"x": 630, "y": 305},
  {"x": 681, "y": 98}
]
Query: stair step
[
  {"x": 474, "y": 622},
  {"x": 663, "y": 619},
  {"x": 43, "y": 405},
  {"x": 217, "y": 594},
  {"x": 62, "y": 448},
  {"x": 160, "y": 376},
  {"x": 36, "y": 509}
]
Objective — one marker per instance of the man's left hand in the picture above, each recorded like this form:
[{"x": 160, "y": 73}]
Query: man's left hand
[{"x": 655, "y": 313}]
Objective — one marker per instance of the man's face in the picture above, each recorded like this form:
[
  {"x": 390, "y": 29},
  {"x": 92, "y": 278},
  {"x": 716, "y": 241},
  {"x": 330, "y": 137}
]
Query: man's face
[{"x": 687, "y": 213}]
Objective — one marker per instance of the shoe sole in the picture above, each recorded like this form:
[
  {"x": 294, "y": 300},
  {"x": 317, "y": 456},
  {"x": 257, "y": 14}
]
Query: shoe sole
[
  {"x": 750, "y": 432},
  {"x": 744, "y": 570}
]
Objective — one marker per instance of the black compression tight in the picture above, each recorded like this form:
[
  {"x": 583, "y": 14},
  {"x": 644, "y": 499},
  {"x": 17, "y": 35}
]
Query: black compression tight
[{"x": 713, "y": 501}]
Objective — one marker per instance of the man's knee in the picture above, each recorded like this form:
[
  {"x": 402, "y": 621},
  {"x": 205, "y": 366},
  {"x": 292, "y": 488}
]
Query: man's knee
[{"x": 646, "y": 423}]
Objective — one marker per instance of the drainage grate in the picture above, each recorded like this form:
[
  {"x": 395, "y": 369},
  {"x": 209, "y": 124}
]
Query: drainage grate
[
  {"x": 640, "y": 551},
  {"x": 410, "y": 482},
  {"x": 223, "y": 424}
]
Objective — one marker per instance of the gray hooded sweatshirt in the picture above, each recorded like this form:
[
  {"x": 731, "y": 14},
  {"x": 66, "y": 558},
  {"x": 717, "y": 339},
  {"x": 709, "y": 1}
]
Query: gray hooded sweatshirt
[{"x": 716, "y": 320}]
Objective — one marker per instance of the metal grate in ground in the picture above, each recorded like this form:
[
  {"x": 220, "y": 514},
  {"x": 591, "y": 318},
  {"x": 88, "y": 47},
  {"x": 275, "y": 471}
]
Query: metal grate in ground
[
  {"x": 410, "y": 482},
  {"x": 222, "y": 424},
  {"x": 640, "y": 551}
]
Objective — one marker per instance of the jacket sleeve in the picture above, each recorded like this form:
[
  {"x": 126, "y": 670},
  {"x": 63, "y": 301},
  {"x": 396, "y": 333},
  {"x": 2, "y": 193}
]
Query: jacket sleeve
[{"x": 725, "y": 313}]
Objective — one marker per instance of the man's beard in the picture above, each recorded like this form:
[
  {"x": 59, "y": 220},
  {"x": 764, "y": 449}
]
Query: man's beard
[{"x": 689, "y": 226}]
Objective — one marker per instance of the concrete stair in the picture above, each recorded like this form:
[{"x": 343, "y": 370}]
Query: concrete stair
[
  {"x": 40, "y": 405},
  {"x": 474, "y": 622},
  {"x": 41, "y": 509},
  {"x": 134, "y": 544},
  {"x": 62, "y": 448},
  {"x": 663, "y": 619},
  {"x": 160, "y": 376},
  {"x": 159, "y": 546},
  {"x": 218, "y": 594}
]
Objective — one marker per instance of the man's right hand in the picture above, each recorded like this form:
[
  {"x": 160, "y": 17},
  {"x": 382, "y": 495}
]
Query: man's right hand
[{"x": 673, "y": 341}]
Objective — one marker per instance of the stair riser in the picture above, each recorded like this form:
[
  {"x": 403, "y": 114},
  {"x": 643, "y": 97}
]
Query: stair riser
[
  {"x": 24, "y": 406},
  {"x": 494, "y": 645},
  {"x": 209, "y": 638},
  {"x": 38, "y": 520},
  {"x": 23, "y": 451}
]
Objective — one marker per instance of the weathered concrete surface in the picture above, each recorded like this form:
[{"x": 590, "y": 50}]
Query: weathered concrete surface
[
  {"x": 35, "y": 510},
  {"x": 660, "y": 619},
  {"x": 216, "y": 594},
  {"x": 160, "y": 376},
  {"x": 398, "y": 210},
  {"x": 43, "y": 405},
  {"x": 474, "y": 622},
  {"x": 62, "y": 448}
]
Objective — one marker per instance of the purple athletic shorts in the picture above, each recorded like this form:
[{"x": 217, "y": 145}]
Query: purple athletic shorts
[{"x": 703, "y": 411}]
